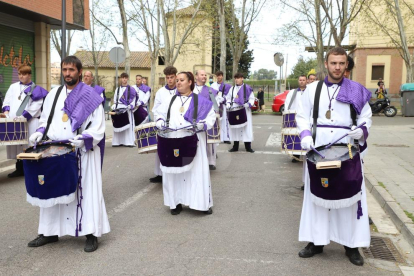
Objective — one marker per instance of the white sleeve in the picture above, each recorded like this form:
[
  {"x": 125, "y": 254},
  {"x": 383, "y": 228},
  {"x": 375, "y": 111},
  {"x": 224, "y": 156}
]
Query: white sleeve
[
  {"x": 47, "y": 106},
  {"x": 251, "y": 99},
  {"x": 365, "y": 116},
  {"x": 144, "y": 97},
  {"x": 210, "y": 119},
  {"x": 303, "y": 115},
  {"x": 157, "y": 102},
  {"x": 7, "y": 98},
  {"x": 33, "y": 107},
  {"x": 161, "y": 111}
]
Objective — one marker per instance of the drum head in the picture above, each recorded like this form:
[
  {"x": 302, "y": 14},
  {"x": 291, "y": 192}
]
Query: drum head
[
  {"x": 176, "y": 134},
  {"x": 51, "y": 150},
  {"x": 338, "y": 152}
]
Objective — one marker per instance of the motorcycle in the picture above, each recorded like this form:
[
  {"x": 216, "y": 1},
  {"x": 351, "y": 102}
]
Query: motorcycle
[{"x": 383, "y": 106}]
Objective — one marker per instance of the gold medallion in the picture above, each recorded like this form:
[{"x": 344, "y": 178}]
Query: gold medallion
[
  {"x": 182, "y": 109},
  {"x": 237, "y": 96},
  {"x": 328, "y": 114},
  {"x": 65, "y": 117},
  {"x": 20, "y": 97}
]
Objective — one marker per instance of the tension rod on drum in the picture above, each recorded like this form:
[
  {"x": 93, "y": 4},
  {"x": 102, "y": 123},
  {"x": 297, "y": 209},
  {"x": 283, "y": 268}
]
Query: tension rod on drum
[{"x": 328, "y": 146}]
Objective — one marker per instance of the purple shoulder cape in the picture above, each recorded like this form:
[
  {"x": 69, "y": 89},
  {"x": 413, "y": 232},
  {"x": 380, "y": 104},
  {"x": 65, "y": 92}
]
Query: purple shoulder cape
[
  {"x": 133, "y": 95},
  {"x": 353, "y": 93},
  {"x": 144, "y": 88},
  {"x": 37, "y": 93},
  {"x": 226, "y": 88},
  {"x": 205, "y": 92},
  {"x": 204, "y": 107},
  {"x": 98, "y": 89},
  {"x": 240, "y": 99},
  {"x": 80, "y": 103}
]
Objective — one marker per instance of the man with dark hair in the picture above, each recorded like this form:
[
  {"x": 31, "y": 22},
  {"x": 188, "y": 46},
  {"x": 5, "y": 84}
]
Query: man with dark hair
[
  {"x": 343, "y": 104},
  {"x": 223, "y": 89},
  {"x": 349, "y": 67},
  {"x": 164, "y": 94},
  {"x": 144, "y": 93},
  {"x": 125, "y": 99},
  {"x": 78, "y": 115},
  {"x": 23, "y": 99},
  {"x": 236, "y": 98},
  {"x": 203, "y": 90}
]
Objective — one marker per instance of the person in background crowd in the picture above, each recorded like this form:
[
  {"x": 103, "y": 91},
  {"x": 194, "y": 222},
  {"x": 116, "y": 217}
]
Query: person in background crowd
[
  {"x": 260, "y": 97},
  {"x": 381, "y": 91}
]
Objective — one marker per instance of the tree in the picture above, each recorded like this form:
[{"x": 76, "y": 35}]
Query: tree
[
  {"x": 264, "y": 74},
  {"x": 302, "y": 67},
  {"x": 223, "y": 36},
  {"x": 56, "y": 36}
]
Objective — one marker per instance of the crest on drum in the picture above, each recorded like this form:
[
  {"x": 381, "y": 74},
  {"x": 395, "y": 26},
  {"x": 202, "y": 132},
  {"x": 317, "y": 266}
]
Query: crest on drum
[
  {"x": 237, "y": 117},
  {"x": 176, "y": 152},
  {"x": 41, "y": 179},
  {"x": 325, "y": 182}
]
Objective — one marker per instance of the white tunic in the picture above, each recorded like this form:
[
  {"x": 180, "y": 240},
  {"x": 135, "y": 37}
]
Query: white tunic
[
  {"x": 61, "y": 219},
  {"x": 126, "y": 137},
  {"x": 143, "y": 100},
  {"x": 321, "y": 225},
  {"x": 163, "y": 95},
  {"x": 244, "y": 134},
  {"x": 224, "y": 128},
  {"x": 32, "y": 107},
  {"x": 191, "y": 188}
]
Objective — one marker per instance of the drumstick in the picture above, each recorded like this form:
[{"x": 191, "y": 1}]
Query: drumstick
[
  {"x": 328, "y": 146},
  {"x": 320, "y": 154}
]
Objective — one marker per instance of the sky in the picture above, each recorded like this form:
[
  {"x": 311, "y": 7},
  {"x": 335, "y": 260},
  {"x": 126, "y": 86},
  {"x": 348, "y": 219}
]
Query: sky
[{"x": 261, "y": 36}]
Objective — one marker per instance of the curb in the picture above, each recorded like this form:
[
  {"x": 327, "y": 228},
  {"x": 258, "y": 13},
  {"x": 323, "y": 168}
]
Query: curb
[
  {"x": 404, "y": 224},
  {"x": 7, "y": 163}
]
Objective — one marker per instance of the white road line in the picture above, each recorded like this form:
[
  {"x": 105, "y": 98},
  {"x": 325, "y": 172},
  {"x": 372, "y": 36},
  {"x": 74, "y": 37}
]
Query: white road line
[
  {"x": 121, "y": 207},
  {"x": 274, "y": 140}
]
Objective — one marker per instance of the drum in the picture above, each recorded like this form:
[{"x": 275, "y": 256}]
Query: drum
[
  {"x": 237, "y": 117},
  {"x": 289, "y": 119},
  {"x": 291, "y": 142},
  {"x": 213, "y": 134},
  {"x": 336, "y": 181},
  {"x": 146, "y": 138},
  {"x": 51, "y": 174},
  {"x": 13, "y": 131},
  {"x": 120, "y": 119},
  {"x": 140, "y": 115},
  {"x": 176, "y": 150}
]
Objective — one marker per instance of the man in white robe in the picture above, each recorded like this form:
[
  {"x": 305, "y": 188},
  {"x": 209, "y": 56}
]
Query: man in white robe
[
  {"x": 78, "y": 115},
  {"x": 164, "y": 94},
  {"x": 235, "y": 98},
  {"x": 349, "y": 225},
  {"x": 203, "y": 90},
  {"x": 125, "y": 98},
  {"x": 223, "y": 89},
  {"x": 16, "y": 95},
  {"x": 192, "y": 187},
  {"x": 144, "y": 94}
]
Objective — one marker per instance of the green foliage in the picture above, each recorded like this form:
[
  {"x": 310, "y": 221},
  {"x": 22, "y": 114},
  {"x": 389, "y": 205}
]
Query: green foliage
[
  {"x": 292, "y": 82},
  {"x": 303, "y": 67},
  {"x": 264, "y": 74}
]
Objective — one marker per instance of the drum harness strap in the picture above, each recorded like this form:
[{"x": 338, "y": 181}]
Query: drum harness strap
[
  {"x": 26, "y": 100},
  {"x": 315, "y": 122},
  {"x": 117, "y": 95},
  {"x": 195, "y": 112}
]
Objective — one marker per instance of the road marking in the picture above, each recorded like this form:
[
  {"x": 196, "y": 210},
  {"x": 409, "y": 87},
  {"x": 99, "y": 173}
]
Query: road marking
[
  {"x": 8, "y": 168},
  {"x": 269, "y": 127},
  {"x": 274, "y": 140},
  {"x": 121, "y": 207},
  {"x": 256, "y": 152}
]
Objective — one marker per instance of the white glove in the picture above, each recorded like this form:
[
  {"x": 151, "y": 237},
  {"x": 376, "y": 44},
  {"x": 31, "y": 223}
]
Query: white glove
[
  {"x": 113, "y": 106},
  {"x": 200, "y": 126},
  {"x": 356, "y": 134},
  {"x": 160, "y": 124},
  {"x": 18, "y": 117},
  {"x": 220, "y": 99},
  {"x": 228, "y": 105},
  {"x": 306, "y": 143},
  {"x": 76, "y": 142},
  {"x": 36, "y": 137},
  {"x": 246, "y": 105}
]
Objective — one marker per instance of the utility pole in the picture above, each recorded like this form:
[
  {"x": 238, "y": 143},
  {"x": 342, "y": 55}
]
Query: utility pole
[{"x": 63, "y": 42}]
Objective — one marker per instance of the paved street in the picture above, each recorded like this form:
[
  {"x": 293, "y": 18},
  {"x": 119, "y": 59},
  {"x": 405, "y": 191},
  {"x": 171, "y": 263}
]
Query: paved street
[{"x": 253, "y": 231}]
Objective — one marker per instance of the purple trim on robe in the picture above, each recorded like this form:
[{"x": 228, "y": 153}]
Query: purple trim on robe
[
  {"x": 363, "y": 147},
  {"x": 205, "y": 127},
  {"x": 168, "y": 88},
  {"x": 101, "y": 146},
  {"x": 30, "y": 83},
  {"x": 305, "y": 133},
  {"x": 98, "y": 89},
  {"x": 144, "y": 88},
  {"x": 365, "y": 130},
  {"x": 353, "y": 93},
  {"x": 38, "y": 92},
  {"x": 80, "y": 103},
  {"x": 226, "y": 88},
  {"x": 6, "y": 108},
  {"x": 88, "y": 139},
  {"x": 204, "y": 107},
  {"x": 160, "y": 119},
  {"x": 41, "y": 130},
  {"x": 329, "y": 84},
  {"x": 205, "y": 92},
  {"x": 239, "y": 100},
  {"x": 330, "y": 126},
  {"x": 26, "y": 115},
  {"x": 124, "y": 98}
]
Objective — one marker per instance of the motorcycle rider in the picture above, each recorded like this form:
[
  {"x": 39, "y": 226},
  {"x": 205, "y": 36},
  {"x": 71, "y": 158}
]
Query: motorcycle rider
[{"x": 381, "y": 91}]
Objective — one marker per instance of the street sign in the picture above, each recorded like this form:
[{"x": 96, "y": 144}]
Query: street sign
[
  {"x": 117, "y": 55},
  {"x": 279, "y": 59}
]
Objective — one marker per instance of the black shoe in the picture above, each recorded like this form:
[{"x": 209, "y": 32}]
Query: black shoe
[
  {"x": 177, "y": 210},
  {"x": 91, "y": 243},
  {"x": 209, "y": 211},
  {"x": 370, "y": 221},
  {"x": 354, "y": 256},
  {"x": 302, "y": 188},
  {"x": 156, "y": 179},
  {"x": 227, "y": 142},
  {"x": 310, "y": 250},
  {"x": 250, "y": 150},
  {"x": 233, "y": 150},
  {"x": 212, "y": 167},
  {"x": 42, "y": 240},
  {"x": 16, "y": 173}
]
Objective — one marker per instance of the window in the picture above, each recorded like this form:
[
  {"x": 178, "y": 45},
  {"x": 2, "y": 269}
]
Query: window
[
  {"x": 377, "y": 72},
  {"x": 161, "y": 61},
  {"x": 161, "y": 81}
]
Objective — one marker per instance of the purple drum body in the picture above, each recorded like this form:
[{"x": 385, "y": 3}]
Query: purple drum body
[
  {"x": 139, "y": 115},
  {"x": 13, "y": 132},
  {"x": 336, "y": 187},
  {"x": 177, "y": 152},
  {"x": 289, "y": 120},
  {"x": 146, "y": 138},
  {"x": 291, "y": 142},
  {"x": 120, "y": 121},
  {"x": 237, "y": 117}
]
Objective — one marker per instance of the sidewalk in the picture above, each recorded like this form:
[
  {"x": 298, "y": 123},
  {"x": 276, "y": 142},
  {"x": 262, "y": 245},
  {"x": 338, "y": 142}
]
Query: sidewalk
[{"x": 389, "y": 172}]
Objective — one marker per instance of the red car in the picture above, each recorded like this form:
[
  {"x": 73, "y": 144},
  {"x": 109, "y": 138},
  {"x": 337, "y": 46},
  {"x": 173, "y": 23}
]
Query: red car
[
  {"x": 256, "y": 105},
  {"x": 279, "y": 102}
]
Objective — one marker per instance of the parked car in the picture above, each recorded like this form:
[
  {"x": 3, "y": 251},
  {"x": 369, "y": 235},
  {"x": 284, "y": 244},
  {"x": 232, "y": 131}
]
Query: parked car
[
  {"x": 256, "y": 105},
  {"x": 279, "y": 101}
]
